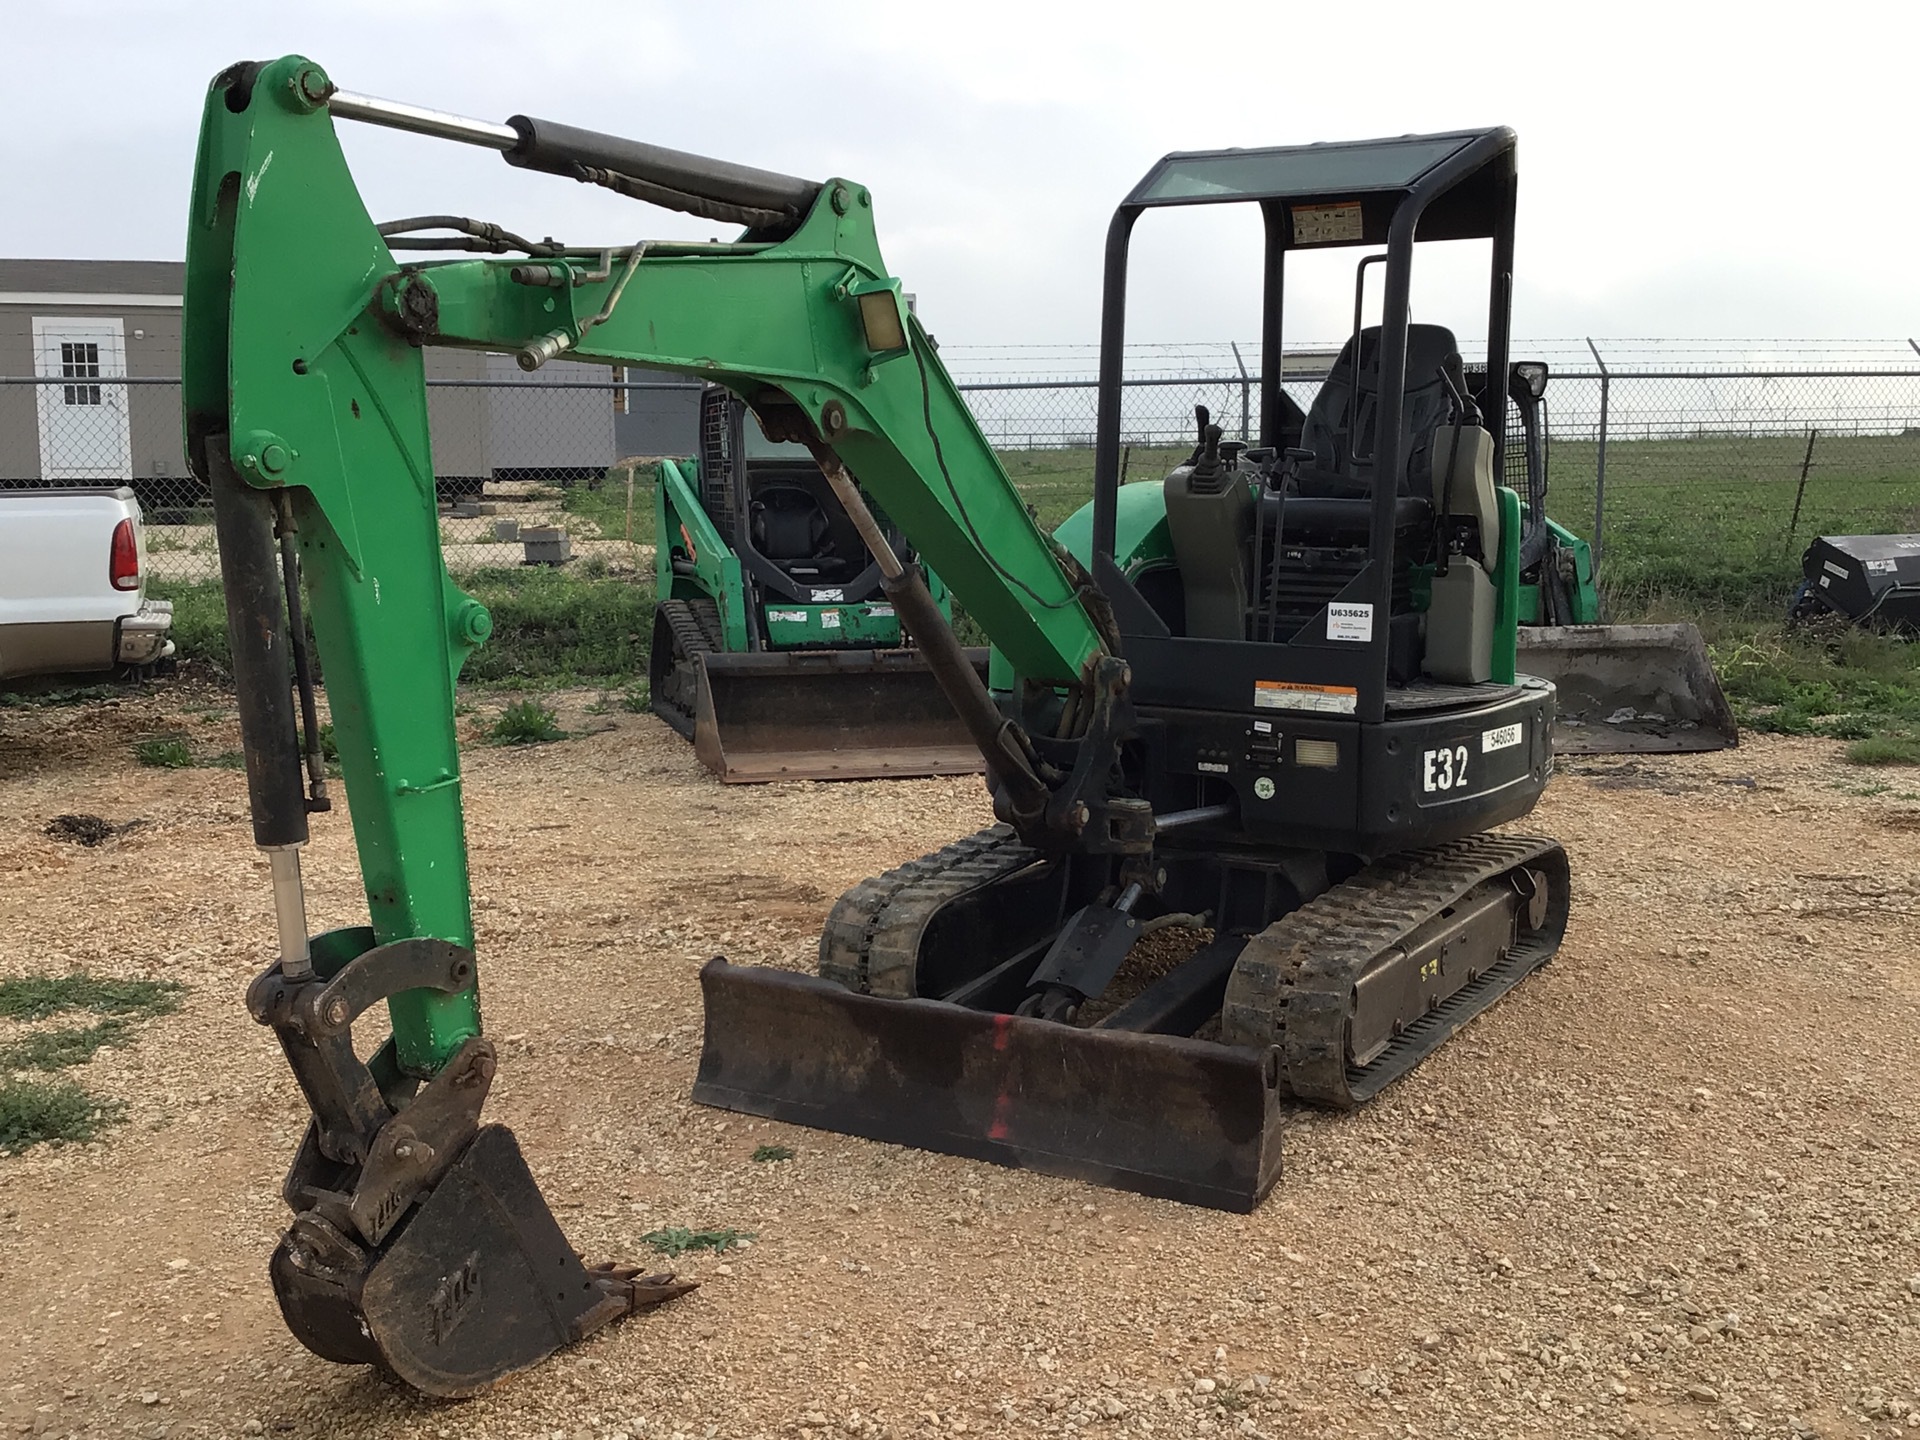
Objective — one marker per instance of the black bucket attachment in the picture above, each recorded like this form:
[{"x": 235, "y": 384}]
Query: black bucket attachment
[
  {"x": 1630, "y": 689},
  {"x": 1186, "y": 1120},
  {"x": 827, "y": 715},
  {"x": 477, "y": 1283}
]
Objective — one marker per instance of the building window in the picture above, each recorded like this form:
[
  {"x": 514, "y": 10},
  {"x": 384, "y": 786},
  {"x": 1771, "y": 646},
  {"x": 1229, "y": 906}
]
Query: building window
[{"x": 80, "y": 360}]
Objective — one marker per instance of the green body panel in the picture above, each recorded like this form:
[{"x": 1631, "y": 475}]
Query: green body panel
[
  {"x": 1140, "y": 540},
  {"x": 1140, "y": 535},
  {"x": 1506, "y": 588},
  {"x": 1583, "y": 595},
  {"x": 684, "y": 531},
  {"x": 301, "y": 346},
  {"x": 826, "y": 627},
  {"x": 282, "y": 262}
]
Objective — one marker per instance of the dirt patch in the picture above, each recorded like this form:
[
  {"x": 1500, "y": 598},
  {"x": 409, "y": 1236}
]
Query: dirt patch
[{"x": 1667, "y": 1185}]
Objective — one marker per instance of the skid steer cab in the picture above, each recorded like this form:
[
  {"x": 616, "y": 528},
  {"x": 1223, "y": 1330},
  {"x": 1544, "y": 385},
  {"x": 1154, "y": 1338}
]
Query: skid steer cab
[{"x": 776, "y": 650}]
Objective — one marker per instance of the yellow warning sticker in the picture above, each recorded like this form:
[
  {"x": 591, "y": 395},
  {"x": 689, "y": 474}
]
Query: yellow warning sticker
[{"x": 1287, "y": 695}]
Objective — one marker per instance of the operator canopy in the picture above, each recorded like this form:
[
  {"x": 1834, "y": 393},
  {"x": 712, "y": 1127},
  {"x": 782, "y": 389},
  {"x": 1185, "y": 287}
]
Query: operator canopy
[{"x": 1354, "y": 187}]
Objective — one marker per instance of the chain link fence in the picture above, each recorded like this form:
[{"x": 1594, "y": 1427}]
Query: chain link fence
[{"x": 1675, "y": 461}]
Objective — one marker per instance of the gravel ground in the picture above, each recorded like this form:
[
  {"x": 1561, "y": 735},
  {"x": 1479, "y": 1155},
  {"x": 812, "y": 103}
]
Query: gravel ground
[{"x": 1667, "y": 1187}]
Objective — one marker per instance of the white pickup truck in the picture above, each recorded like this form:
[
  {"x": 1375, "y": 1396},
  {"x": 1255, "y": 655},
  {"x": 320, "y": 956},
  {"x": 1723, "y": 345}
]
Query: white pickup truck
[{"x": 73, "y": 580}]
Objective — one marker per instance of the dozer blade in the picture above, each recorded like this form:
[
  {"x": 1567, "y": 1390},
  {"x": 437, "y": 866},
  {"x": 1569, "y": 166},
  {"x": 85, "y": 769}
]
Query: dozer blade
[
  {"x": 478, "y": 1283},
  {"x": 827, "y": 715},
  {"x": 1182, "y": 1119},
  {"x": 1630, "y": 689}
]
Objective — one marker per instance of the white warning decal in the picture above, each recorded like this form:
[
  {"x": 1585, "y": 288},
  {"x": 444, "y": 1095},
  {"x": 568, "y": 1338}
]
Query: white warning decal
[
  {"x": 791, "y": 617},
  {"x": 829, "y": 619},
  {"x": 1349, "y": 622},
  {"x": 1504, "y": 738},
  {"x": 1285, "y": 695},
  {"x": 1327, "y": 224}
]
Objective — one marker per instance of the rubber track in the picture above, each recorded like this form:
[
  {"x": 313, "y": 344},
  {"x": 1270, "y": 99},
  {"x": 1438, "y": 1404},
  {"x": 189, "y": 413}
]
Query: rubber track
[
  {"x": 1293, "y": 985},
  {"x": 872, "y": 939},
  {"x": 696, "y": 631}
]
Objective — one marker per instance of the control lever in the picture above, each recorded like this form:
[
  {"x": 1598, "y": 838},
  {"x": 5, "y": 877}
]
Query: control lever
[{"x": 1453, "y": 375}]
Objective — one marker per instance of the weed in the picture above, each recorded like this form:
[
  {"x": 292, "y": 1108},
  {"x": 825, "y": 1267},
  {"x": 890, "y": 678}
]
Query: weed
[
  {"x": 57, "y": 695},
  {"x": 552, "y": 628},
  {"x": 199, "y": 620},
  {"x": 229, "y": 760},
  {"x": 637, "y": 697},
  {"x": 766, "y": 1153},
  {"x": 525, "y": 722},
  {"x": 58, "y": 1049},
  {"x": 36, "y": 1110},
  {"x": 1885, "y": 750},
  {"x": 1845, "y": 686},
  {"x": 603, "y": 505},
  {"x": 34, "y": 997},
  {"x": 677, "y": 1240},
  {"x": 164, "y": 752}
]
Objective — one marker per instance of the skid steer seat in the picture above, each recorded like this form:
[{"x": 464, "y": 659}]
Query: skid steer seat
[{"x": 789, "y": 525}]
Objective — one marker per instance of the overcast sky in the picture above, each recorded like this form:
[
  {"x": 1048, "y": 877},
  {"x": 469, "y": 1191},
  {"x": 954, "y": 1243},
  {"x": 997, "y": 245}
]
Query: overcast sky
[{"x": 1687, "y": 169}]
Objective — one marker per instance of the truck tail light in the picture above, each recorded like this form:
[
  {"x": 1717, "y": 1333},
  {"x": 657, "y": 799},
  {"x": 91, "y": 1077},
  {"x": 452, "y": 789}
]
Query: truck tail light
[{"x": 123, "y": 560}]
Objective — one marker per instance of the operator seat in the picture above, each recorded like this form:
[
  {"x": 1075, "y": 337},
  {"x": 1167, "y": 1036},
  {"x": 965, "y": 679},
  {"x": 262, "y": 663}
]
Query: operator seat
[
  {"x": 790, "y": 527},
  {"x": 1341, "y": 427}
]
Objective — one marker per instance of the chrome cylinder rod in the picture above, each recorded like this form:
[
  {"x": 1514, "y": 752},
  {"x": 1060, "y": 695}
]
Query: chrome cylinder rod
[
  {"x": 290, "y": 911},
  {"x": 1199, "y": 815},
  {"x": 397, "y": 115}
]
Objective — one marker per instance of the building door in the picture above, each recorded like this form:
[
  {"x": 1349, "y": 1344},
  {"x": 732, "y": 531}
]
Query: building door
[{"x": 83, "y": 419}]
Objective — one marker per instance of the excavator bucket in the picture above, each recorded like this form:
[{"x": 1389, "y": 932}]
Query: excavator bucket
[
  {"x": 479, "y": 1283},
  {"x": 827, "y": 715},
  {"x": 1630, "y": 689},
  {"x": 1187, "y": 1120}
]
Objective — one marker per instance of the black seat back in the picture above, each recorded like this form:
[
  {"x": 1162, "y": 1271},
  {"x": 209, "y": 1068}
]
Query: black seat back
[
  {"x": 1341, "y": 428},
  {"x": 789, "y": 525}
]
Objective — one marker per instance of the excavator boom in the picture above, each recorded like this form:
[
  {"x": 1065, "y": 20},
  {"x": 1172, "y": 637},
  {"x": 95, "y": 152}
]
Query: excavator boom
[{"x": 419, "y": 1240}]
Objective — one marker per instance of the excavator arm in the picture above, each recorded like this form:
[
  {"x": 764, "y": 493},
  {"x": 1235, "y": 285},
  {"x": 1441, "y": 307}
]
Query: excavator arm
[{"x": 420, "y": 1241}]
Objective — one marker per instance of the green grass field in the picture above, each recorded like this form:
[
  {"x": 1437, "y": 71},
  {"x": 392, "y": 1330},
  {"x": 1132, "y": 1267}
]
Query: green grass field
[{"x": 1695, "y": 529}]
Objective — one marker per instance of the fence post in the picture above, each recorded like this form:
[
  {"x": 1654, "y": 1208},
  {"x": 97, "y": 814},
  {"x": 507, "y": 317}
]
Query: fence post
[
  {"x": 1246, "y": 391},
  {"x": 1805, "y": 465},
  {"x": 1600, "y": 466}
]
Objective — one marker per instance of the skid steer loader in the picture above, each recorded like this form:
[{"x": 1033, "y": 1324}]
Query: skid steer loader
[
  {"x": 774, "y": 650},
  {"x": 1624, "y": 689}
]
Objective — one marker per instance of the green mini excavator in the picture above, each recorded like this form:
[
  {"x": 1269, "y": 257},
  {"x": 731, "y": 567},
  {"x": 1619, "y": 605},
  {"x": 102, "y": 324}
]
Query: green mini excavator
[{"x": 1248, "y": 730}]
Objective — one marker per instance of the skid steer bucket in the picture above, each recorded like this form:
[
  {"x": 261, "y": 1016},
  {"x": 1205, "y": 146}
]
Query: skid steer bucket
[
  {"x": 1630, "y": 689},
  {"x": 1186, "y": 1120},
  {"x": 827, "y": 715}
]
